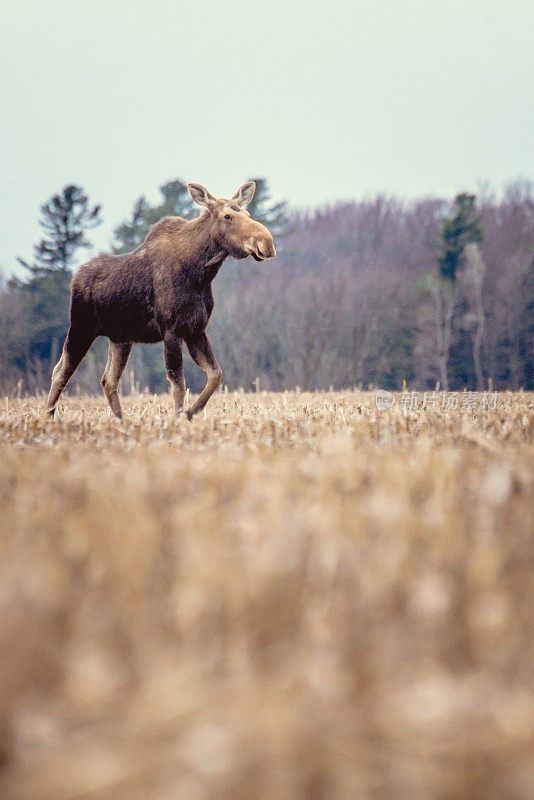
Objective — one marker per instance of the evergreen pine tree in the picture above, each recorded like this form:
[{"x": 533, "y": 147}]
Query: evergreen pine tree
[
  {"x": 457, "y": 231},
  {"x": 175, "y": 200},
  {"x": 131, "y": 233},
  {"x": 463, "y": 228},
  {"x": 66, "y": 217}
]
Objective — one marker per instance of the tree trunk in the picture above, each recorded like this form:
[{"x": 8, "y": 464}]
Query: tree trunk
[
  {"x": 477, "y": 268},
  {"x": 477, "y": 345},
  {"x": 443, "y": 293}
]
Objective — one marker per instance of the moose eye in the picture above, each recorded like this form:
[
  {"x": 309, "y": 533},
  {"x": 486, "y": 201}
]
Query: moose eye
[{"x": 228, "y": 217}]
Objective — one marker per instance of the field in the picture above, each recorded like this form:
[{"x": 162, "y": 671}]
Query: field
[{"x": 293, "y": 597}]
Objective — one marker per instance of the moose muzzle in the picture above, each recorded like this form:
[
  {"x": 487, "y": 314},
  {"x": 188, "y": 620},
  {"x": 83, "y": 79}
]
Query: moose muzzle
[{"x": 262, "y": 248}]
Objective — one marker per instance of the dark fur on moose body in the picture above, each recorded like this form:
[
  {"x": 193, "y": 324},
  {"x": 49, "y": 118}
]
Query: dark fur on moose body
[
  {"x": 164, "y": 284},
  {"x": 160, "y": 292}
]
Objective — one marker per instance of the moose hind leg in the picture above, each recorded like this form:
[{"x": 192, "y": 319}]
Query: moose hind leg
[
  {"x": 172, "y": 350},
  {"x": 202, "y": 355},
  {"x": 74, "y": 349},
  {"x": 118, "y": 354}
]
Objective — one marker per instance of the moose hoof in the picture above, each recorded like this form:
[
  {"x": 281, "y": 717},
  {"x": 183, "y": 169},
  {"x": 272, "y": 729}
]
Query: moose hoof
[
  {"x": 183, "y": 412},
  {"x": 189, "y": 414}
]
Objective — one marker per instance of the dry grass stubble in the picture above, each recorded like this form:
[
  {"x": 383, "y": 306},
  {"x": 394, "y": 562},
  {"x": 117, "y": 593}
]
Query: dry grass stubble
[{"x": 291, "y": 597}]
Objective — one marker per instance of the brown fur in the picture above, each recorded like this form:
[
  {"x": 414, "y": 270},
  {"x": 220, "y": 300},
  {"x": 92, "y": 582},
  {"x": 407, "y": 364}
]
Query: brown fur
[{"x": 160, "y": 292}]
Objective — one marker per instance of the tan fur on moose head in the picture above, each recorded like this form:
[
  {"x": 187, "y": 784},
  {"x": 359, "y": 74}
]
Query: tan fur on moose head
[{"x": 161, "y": 292}]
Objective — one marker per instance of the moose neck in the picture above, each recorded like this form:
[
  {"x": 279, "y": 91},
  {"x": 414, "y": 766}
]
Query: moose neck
[
  {"x": 212, "y": 267},
  {"x": 205, "y": 255}
]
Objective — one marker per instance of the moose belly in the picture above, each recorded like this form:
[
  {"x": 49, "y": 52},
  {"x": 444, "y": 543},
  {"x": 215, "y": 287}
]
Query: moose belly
[{"x": 129, "y": 325}]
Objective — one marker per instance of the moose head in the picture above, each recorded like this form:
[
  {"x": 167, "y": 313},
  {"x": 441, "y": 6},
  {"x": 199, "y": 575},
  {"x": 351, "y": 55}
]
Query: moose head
[{"x": 234, "y": 230}]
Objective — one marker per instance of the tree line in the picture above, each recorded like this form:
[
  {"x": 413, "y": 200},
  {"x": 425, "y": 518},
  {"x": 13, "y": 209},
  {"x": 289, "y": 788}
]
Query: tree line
[{"x": 377, "y": 292}]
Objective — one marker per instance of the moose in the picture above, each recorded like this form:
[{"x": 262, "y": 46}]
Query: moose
[{"x": 161, "y": 292}]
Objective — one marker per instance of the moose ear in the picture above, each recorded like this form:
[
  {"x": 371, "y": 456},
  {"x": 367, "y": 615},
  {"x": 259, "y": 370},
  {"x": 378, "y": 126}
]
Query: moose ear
[
  {"x": 200, "y": 195},
  {"x": 244, "y": 194}
]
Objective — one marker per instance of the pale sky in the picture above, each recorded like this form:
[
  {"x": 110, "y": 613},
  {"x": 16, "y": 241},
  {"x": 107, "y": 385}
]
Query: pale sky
[{"x": 328, "y": 101}]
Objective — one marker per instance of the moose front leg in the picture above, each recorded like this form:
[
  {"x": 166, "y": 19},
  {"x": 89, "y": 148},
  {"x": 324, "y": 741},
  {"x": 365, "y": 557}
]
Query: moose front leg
[
  {"x": 172, "y": 351},
  {"x": 202, "y": 355}
]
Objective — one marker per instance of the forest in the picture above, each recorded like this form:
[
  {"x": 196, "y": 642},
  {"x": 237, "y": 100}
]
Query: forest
[{"x": 375, "y": 293}]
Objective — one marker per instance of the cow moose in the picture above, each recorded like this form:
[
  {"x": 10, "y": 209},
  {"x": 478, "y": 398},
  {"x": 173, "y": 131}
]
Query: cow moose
[{"x": 161, "y": 292}]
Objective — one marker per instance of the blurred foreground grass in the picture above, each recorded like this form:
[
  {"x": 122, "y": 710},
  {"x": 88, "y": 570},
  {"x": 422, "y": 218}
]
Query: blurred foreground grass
[{"x": 293, "y": 597}]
